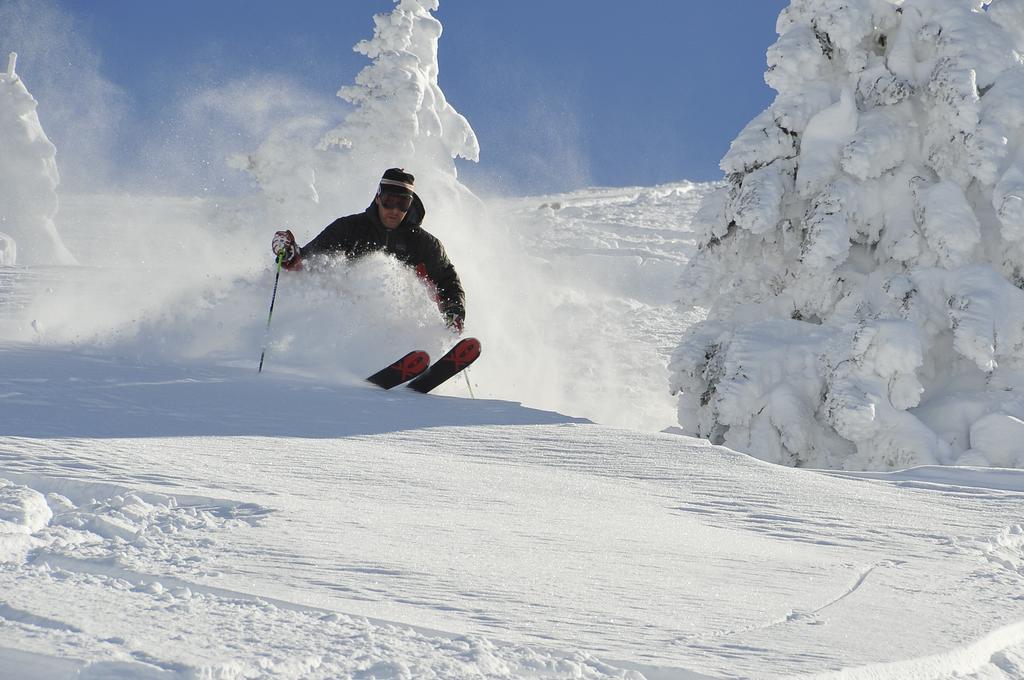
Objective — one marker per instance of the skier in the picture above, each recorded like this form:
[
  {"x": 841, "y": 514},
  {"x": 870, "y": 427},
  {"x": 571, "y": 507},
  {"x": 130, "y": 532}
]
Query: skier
[{"x": 390, "y": 224}]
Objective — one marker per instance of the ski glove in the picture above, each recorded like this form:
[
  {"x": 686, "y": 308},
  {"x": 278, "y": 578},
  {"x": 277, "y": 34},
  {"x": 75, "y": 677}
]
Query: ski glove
[
  {"x": 454, "y": 321},
  {"x": 284, "y": 246}
]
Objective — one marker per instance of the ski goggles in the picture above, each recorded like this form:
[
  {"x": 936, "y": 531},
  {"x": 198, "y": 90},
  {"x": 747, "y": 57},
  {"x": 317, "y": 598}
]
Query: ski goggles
[{"x": 390, "y": 201}]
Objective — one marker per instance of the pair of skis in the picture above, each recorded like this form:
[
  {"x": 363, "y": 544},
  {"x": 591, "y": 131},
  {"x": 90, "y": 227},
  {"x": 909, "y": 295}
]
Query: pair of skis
[{"x": 416, "y": 370}]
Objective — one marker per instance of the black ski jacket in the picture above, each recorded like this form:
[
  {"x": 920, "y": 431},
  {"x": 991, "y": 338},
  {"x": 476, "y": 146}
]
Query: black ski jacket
[{"x": 356, "y": 235}]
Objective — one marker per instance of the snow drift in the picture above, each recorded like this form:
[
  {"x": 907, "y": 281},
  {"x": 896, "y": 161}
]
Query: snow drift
[{"x": 862, "y": 268}]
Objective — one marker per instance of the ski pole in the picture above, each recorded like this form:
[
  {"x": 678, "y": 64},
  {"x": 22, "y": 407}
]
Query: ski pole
[
  {"x": 465, "y": 373},
  {"x": 273, "y": 296}
]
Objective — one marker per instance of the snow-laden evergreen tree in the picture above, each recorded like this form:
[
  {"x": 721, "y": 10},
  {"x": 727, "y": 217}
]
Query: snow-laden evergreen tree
[
  {"x": 862, "y": 266},
  {"x": 28, "y": 179},
  {"x": 400, "y": 118},
  {"x": 401, "y": 115}
]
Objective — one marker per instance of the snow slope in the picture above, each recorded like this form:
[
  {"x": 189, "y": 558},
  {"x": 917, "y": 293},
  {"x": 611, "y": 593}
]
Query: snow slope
[
  {"x": 168, "y": 513},
  {"x": 197, "y": 521},
  {"x": 572, "y": 295}
]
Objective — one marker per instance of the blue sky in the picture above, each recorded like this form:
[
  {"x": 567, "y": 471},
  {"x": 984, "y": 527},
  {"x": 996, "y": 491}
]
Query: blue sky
[{"x": 561, "y": 94}]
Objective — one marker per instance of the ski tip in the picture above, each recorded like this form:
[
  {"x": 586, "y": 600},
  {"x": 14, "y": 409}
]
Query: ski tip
[
  {"x": 408, "y": 367},
  {"x": 413, "y": 363},
  {"x": 467, "y": 350}
]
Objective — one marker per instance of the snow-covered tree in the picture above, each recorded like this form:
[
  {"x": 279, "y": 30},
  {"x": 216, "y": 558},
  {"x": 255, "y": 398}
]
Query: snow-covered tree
[
  {"x": 28, "y": 179},
  {"x": 862, "y": 268},
  {"x": 400, "y": 117}
]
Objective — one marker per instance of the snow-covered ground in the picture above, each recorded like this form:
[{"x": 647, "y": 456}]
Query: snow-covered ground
[
  {"x": 168, "y": 513},
  {"x": 573, "y": 296}
]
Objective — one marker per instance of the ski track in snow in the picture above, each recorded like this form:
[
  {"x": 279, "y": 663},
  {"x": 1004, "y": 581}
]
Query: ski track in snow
[{"x": 288, "y": 525}]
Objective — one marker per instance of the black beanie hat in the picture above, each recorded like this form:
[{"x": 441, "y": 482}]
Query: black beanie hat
[{"x": 397, "y": 181}]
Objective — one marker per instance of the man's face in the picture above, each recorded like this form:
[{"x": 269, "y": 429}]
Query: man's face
[{"x": 392, "y": 208}]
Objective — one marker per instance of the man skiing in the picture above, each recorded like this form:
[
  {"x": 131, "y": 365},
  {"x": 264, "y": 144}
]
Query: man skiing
[{"x": 391, "y": 224}]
